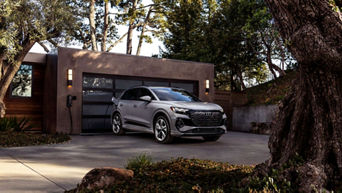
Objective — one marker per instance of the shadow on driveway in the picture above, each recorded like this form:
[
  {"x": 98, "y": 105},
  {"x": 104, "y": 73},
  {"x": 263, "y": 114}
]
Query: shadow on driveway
[{"x": 65, "y": 164}]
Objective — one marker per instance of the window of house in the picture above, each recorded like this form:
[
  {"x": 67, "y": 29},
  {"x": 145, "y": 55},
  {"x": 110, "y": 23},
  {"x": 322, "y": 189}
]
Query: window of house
[{"x": 22, "y": 82}]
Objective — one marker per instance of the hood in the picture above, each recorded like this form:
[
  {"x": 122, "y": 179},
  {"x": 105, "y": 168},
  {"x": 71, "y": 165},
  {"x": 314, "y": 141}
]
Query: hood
[{"x": 195, "y": 105}]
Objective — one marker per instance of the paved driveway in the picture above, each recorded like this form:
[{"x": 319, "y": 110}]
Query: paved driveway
[{"x": 54, "y": 168}]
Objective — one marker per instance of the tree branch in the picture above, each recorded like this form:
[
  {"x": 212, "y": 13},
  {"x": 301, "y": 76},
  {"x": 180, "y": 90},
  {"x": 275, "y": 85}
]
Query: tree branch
[
  {"x": 117, "y": 42},
  {"x": 53, "y": 43},
  {"x": 44, "y": 47}
]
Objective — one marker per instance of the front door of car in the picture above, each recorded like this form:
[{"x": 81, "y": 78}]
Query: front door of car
[
  {"x": 126, "y": 105},
  {"x": 142, "y": 110}
]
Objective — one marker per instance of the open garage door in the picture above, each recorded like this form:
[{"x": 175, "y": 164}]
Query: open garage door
[{"x": 99, "y": 89}]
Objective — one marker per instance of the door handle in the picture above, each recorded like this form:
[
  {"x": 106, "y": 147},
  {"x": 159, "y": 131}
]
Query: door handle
[
  {"x": 135, "y": 106},
  {"x": 121, "y": 105}
]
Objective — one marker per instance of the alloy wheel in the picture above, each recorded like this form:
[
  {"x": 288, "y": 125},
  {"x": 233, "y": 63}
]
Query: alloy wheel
[
  {"x": 161, "y": 129},
  {"x": 116, "y": 126}
]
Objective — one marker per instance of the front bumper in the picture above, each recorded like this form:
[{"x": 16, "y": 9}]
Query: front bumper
[{"x": 189, "y": 129}]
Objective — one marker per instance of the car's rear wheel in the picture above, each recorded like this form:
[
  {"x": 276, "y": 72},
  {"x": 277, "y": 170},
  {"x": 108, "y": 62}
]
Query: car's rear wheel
[
  {"x": 117, "y": 125},
  {"x": 162, "y": 132},
  {"x": 211, "y": 138}
]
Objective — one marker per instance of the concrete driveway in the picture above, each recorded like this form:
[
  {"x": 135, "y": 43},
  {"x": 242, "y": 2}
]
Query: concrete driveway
[{"x": 55, "y": 168}]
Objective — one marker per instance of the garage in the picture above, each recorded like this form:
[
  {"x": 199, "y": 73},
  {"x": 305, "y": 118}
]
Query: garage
[{"x": 98, "y": 90}]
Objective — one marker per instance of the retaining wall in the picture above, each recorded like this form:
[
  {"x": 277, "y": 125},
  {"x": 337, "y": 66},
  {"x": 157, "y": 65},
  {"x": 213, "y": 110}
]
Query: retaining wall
[{"x": 244, "y": 116}]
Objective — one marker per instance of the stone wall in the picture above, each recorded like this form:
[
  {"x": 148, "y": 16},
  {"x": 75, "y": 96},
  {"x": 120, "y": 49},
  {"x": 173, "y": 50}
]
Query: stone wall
[
  {"x": 227, "y": 100},
  {"x": 245, "y": 117}
]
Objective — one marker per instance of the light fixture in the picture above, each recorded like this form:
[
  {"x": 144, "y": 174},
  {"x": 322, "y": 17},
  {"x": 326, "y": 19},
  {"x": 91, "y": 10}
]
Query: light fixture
[
  {"x": 207, "y": 83},
  {"x": 69, "y": 80}
]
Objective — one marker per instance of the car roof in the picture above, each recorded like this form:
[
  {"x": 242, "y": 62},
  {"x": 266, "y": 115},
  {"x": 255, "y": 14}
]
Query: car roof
[{"x": 151, "y": 87}]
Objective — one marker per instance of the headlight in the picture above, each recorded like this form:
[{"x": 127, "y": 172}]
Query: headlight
[
  {"x": 179, "y": 110},
  {"x": 221, "y": 110}
]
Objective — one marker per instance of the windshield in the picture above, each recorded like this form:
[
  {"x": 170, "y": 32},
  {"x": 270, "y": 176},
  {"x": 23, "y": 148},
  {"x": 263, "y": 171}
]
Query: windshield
[{"x": 173, "y": 94}]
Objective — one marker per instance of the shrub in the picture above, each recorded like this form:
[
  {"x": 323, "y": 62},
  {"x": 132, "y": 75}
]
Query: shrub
[
  {"x": 15, "y": 124},
  {"x": 182, "y": 175},
  {"x": 141, "y": 161}
]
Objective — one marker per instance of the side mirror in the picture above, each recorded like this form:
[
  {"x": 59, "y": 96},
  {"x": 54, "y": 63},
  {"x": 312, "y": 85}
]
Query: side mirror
[
  {"x": 146, "y": 98},
  {"x": 114, "y": 100}
]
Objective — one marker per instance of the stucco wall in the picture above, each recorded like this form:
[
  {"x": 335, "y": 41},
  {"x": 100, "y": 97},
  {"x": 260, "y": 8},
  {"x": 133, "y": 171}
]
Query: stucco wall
[
  {"x": 244, "y": 116},
  {"x": 83, "y": 61}
]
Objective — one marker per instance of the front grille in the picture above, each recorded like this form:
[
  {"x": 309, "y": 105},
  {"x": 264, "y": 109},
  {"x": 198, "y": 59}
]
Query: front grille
[{"x": 206, "y": 118}]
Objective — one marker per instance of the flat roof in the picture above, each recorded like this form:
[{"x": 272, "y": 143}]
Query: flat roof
[{"x": 135, "y": 56}]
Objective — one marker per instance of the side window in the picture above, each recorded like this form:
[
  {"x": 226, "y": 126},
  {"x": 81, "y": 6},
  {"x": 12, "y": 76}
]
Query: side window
[
  {"x": 130, "y": 95},
  {"x": 22, "y": 82},
  {"x": 146, "y": 92}
]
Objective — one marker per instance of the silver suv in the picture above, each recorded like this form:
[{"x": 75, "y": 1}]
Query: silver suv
[{"x": 166, "y": 113}]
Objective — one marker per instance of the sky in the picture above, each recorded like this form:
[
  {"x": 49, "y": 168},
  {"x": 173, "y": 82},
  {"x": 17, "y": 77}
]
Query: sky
[{"x": 147, "y": 49}]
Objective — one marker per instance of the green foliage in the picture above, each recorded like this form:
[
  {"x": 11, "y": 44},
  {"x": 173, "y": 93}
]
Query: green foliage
[
  {"x": 271, "y": 92},
  {"x": 24, "y": 21},
  {"x": 18, "y": 139},
  {"x": 275, "y": 181},
  {"x": 140, "y": 161},
  {"x": 15, "y": 124},
  {"x": 220, "y": 33},
  {"x": 80, "y": 33}
]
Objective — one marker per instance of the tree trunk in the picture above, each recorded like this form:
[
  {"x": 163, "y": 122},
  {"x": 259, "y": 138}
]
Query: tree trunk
[
  {"x": 309, "y": 122},
  {"x": 147, "y": 18},
  {"x": 92, "y": 25},
  {"x": 243, "y": 86},
  {"x": 105, "y": 27},
  {"x": 8, "y": 74},
  {"x": 131, "y": 28}
]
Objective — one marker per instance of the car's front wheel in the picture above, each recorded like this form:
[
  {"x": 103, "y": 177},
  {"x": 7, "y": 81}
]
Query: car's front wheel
[
  {"x": 117, "y": 125},
  {"x": 162, "y": 132},
  {"x": 211, "y": 138}
]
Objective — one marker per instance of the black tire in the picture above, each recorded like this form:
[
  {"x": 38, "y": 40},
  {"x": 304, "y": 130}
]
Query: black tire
[
  {"x": 163, "y": 133},
  {"x": 211, "y": 138},
  {"x": 117, "y": 124}
]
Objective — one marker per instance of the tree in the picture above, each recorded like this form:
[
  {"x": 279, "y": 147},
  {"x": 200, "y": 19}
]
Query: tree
[
  {"x": 23, "y": 23},
  {"x": 309, "y": 123},
  {"x": 92, "y": 25},
  {"x": 208, "y": 31},
  {"x": 140, "y": 17},
  {"x": 100, "y": 32}
]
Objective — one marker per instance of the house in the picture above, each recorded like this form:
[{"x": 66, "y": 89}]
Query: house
[{"x": 41, "y": 87}]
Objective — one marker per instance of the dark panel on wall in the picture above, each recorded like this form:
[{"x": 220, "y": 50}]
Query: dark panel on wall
[
  {"x": 50, "y": 94},
  {"x": 29, "y": 107}
]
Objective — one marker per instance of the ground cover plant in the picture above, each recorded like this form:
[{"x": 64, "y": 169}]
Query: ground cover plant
[
  {"x": 194, "y": 175},
  {"x": 15, "y": 132},
  {"x": 17, "y": 139}
]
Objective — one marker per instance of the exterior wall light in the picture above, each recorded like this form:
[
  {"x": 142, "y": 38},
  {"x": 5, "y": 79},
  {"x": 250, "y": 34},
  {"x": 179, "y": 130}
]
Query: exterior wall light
[
  {"x": 69, "y": 80},
  {"x": 207, "y": 83}
]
